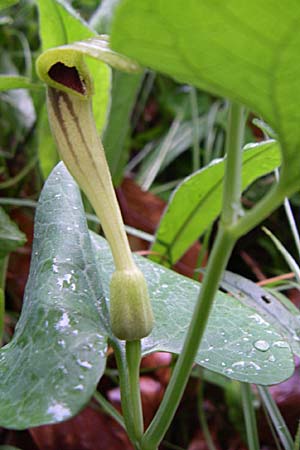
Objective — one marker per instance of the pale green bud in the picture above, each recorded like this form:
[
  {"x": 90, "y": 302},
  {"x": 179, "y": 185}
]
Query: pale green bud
[{"x": 130, "y": 308}]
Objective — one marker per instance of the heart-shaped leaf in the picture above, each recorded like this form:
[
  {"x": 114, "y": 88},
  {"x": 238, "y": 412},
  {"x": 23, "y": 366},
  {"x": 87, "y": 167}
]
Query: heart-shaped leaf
[
  {"x": 197, "y": 201},
  {"x": 238, "y": 342},
  {"x": 246, "y": 51},
  {"x": 50, "y": 369}
]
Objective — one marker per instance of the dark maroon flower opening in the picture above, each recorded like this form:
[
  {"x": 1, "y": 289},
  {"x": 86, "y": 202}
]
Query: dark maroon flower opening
[{"x": 67, "y": 76}]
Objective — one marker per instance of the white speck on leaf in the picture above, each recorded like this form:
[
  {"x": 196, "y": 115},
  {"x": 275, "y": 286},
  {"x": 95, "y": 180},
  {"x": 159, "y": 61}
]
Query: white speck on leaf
[
  {"x": 64, "y": 322},
  {"x": 58, "y": 411},
  {"x": 85, "y": 364}
]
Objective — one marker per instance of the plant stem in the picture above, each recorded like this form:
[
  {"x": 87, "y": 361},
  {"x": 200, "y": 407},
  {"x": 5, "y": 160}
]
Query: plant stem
[
  {"x": 217, "y": 262},
  {"x": 125, "y": 391},
  {"x": 296, "y": 445},
  {"x": 3, "y": 269},
  {"x": 294, "y": 267},
  {"x": 249, "y": 415},
  {"x": 276, "y": 417},
  {"x": 196, "y": 134},
  {"x": 22, "y": 174},
  {"x": 174, "y": 392},
  {"x": 133, "y": 358},
  {"x": 290, "y": 218},
  {"x": 263, "y": 209},
  {"x": 202, "y": 418},
  {"x": 109, "y": 409},
  {"x": 293, "y": 225},
  {"x": 202, "y": 252},
  {"x": 231, "y": 208}
]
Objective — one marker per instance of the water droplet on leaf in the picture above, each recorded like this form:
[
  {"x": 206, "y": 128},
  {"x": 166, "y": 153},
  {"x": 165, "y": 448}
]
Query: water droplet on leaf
[{"x": 261, "y": 345}]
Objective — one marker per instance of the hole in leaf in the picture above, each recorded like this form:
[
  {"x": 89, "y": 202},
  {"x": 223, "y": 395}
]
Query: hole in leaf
[
  {"x": 222, "y": 289},
  {"x": 67, "y": 76},
  {"x": 266, "y": 299}
]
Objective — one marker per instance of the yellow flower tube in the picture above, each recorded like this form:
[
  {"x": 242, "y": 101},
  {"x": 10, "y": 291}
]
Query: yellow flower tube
[{"x": 69, "y": 94}]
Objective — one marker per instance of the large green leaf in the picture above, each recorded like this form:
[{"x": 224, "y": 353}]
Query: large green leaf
[
  {"x": 246, "y": 51},
  {"x": 50, "y": 369},
  {"x": 197, "y": 201},
  {"x": 237, "y": 343},
  {"x": 10, "y": 235}
]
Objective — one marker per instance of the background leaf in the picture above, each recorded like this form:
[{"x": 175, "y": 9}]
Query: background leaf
[
  {"x": 48, "y": 156},
  {"x": 15, "y": 82},
  {"x": 232, "y": 341},
  {"x": 125, "y": 89},
  {"x": 10, "y": 235},
  {"x": 102, "y": 18},
  {"x": 50, "y": 369},
  {"x": 124, "y": 92},
  {"x": 196, "y": 203},
  {"x": 7, "y": 3},
  {"x": 246, "y": 51}
]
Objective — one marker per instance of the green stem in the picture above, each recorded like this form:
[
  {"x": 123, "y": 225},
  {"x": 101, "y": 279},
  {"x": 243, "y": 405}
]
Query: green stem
[
  {"x": 263, "y": 209},
  {"x": 133, "y": 358},
  {"x": 196, "y": 134},
  {"x": 296, "y": 445},
  {"x": 293, "y": 225},
  {"x": 276, "y": 417},
  {"x": 202, "y": 418},
  {"x": 291, "y": 219},
  {"x": 3, "y": 269},
  {"x": 272, "y": 428},
  {"x": 249, "y": 416},
  {"x": 217, "y": 262},
  {"x": 231, "y": 208},
  {"x": 22, "y": 174},
  {"x": 202, "y": 252},
  {"x": 109, "y": 409},
  {"x": 174, "y": 392},
  {"x": 125, "y": 392}
]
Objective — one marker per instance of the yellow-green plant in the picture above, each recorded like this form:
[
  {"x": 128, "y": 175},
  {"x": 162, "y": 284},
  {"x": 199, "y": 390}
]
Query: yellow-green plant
[{"x": 69, "y": 94}]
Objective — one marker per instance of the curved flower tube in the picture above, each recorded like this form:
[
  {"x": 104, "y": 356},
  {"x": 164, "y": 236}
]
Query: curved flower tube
[{"x": 69, "y": 94}]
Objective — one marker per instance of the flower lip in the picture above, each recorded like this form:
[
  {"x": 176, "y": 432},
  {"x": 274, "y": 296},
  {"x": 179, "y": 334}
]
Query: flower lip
[{"x": 67, "y": 76}]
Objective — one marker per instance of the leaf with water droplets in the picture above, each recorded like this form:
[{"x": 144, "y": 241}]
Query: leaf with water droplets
[
  {"x": 238, "y": 342},
  {"x": 284, "y": 317},
  {"x": 50, "y": 369}
]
